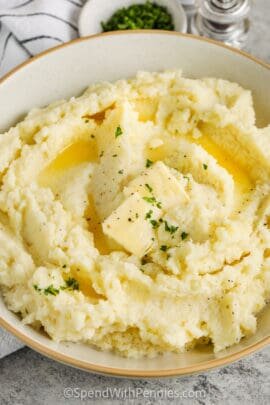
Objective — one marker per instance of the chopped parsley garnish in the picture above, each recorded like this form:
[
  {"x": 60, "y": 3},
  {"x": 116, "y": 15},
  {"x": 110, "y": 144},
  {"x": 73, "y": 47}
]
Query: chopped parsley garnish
[
  {"x": 153, "y": 201},
  {"x": 121, "y": 171},
  {"x": 101, "y": 153},
  {"x": 118, "y": 132},
  {"x": 164, "y": 248},
  {"x": 184, "y": 235},
  {"x": 51, "y": 290},
  {"x": 154, "y": 223},
  {"x": 92, "y": 136},
  {"x": 150, "y": 200},
  {"x": 148, "y": 163},
  {"x": 205, "y": 166},
  {"x": 148, "y": 214},
  {"x": 148, "y": 15},
  {"x": 72, "y": 284},
  {"x": 170, "y": 228},
  {"x": 149, "y": 188}
]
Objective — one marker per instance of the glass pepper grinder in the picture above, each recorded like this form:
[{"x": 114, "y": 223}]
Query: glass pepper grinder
[
  {"x": 190, "y": 7},
  {"x": 223, "y": 20}
]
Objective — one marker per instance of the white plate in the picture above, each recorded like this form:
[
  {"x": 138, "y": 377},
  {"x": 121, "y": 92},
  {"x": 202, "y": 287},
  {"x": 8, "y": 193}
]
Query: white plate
[
  {"x": 96, "y": 11},
  {"x": 66, "y": 71}
]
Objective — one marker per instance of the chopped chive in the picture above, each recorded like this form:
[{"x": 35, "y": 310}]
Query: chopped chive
[
  {"x": 150, "y": 200},
  {"x": 148, "y": 214},
  {"x": 51, "y": 290},
  {"x": 170, "y": 228},
  {"x": 184, "y": 235},
  {"x": 149, "y": 188},
  {"x": 72, "y": 283},
  {"x": 118, "y": 132},
  {"x": 154, "y": 223},
  {"x": 153, "y": 201}
]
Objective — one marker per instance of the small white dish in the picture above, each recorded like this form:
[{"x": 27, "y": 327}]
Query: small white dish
[{"x": 96, "y": 11}]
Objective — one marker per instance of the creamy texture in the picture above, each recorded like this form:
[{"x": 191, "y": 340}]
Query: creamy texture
[{"x": 137, "y": 216}]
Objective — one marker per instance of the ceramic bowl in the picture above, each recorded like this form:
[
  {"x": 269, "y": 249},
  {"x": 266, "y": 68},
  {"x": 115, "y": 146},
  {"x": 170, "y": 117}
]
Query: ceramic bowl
[
  {"x": 66, "y": 71},
  {"x": 96, "y": 11}
]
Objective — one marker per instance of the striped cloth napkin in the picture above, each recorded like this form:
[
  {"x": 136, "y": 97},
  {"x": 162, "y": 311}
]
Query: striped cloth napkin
[{"x": 28, "y": 27}]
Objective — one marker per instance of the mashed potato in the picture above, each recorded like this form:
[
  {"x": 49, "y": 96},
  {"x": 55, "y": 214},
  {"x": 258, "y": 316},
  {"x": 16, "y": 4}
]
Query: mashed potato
[{"x": 137, "y": 217}]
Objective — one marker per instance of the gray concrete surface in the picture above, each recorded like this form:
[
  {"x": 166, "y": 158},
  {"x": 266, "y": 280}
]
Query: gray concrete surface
[{"x": 28, "y": 378}]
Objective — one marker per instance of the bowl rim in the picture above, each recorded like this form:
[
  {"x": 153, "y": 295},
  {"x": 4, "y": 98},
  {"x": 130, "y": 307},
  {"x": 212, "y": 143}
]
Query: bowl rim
[{"x": 114, "y": 371}]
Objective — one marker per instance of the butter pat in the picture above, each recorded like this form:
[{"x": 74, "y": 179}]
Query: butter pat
[
  {"x": 158, "y": 181},
  {"x": 129, "y": 226}
]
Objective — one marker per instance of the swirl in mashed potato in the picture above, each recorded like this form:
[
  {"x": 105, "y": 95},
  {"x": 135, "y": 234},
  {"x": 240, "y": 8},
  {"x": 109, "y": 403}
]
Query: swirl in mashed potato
[{"x": 137, "y": 216}]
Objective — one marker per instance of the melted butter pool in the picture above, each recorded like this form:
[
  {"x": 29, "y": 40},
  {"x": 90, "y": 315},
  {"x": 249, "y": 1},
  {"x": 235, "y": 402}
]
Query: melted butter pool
[
  {"x": 146, "y": 109},
  {"x": 240, "y": 175},
  {"x": 79, "y": 152},
  {"x": 73, "y": 155},
  {"x": 94, "y": 226}
]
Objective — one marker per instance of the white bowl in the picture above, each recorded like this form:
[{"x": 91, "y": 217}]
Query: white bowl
[
  {"x": 68, "y": 70},
  {"x": 96, "y": 11}
]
